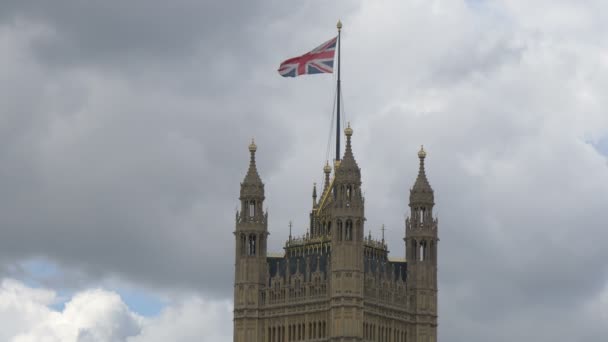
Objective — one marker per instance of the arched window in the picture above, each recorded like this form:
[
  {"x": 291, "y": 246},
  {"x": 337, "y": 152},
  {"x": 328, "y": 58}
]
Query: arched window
[
  {"x": 349, "y": 230},
  {"x": 339, "y": 230},
  {"x": 251, "y": 208},
  {"x": 358, "y": 231},
  {"x": 252, "y": 244},
  {"x": 328, "y": 232},
  {"x": 422, "y": 255}
]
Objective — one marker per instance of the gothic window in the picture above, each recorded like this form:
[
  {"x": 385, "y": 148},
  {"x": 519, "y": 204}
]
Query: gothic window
[
  {"x": 252, "y": 244},
  {"x": 358, "y": 231},
  {"x": 422, "y": 251},
  {"x": 251, "y": 208},
  {"x": 421, "y": 214},
  {"x": 349, "y": 230},
  {"x": 339, "y": 230}
]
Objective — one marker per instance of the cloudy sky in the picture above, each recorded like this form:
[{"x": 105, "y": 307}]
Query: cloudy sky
[{"x": 124, "y": 128}]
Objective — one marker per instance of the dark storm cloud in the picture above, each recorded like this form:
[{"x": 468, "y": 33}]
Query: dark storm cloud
[
  {"x": 89, "y": 32},
  {"x": 127, "y": 159}
]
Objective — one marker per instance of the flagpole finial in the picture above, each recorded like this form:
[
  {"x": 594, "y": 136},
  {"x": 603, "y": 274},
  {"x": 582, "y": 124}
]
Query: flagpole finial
[{"x": 339, "y": 25}]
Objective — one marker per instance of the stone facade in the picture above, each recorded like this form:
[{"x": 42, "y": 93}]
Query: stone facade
[{"x": 334, "y": 283}]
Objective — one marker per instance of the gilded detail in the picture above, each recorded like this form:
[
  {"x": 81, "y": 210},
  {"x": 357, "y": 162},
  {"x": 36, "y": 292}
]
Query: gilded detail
[{"x": 334, "y": 283}]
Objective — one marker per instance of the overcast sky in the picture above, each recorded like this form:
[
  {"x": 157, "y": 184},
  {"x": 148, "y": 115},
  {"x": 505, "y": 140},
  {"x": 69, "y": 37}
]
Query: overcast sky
[{"x": 124, "y": 128}]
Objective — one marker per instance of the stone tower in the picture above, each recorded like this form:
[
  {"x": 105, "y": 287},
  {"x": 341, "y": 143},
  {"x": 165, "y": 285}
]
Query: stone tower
[
  {"x": 347, "y": 215},
  {"x": 421, "y": 240},
  {"x": 334, "y": 282},
  {"x": 250, "y": 259}
]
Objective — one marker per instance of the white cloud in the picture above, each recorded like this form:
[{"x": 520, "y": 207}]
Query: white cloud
[
  {"x": 192, "y": 320},
  {"x": 101, "y": 316}
]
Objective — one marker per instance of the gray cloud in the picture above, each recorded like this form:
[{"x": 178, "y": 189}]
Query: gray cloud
[{"x": 123, "y": 134}]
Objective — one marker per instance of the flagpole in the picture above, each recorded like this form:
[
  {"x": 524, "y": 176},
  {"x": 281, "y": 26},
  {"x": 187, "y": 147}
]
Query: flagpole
[{"x": 339, "y": 26}]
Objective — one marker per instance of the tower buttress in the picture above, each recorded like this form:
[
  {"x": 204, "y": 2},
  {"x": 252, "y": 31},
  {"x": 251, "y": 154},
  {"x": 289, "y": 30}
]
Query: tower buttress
[
  {"x": 348, "y": 216},
  {"x": 250, "y": 254},
  {"x": 421, "y": 239}
]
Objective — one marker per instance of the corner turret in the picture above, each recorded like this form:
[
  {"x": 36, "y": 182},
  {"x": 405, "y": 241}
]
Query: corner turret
[
  {"x": 251, "y": 235},
  {"x": 421, "y": 239}
]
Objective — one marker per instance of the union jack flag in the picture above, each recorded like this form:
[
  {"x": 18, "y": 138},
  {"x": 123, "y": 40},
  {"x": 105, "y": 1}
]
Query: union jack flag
[{"x": 318, "y": 61}]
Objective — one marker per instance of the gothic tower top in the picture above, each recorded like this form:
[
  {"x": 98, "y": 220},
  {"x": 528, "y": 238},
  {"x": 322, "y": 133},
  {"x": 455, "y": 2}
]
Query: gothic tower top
[
  {"x": 421, "y": 193},
  {"x": 252, "y": 186},
  {"x": 348, "y": 165}
]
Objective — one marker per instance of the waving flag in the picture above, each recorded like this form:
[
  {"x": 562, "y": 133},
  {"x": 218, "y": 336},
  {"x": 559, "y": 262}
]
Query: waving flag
[{"x": 318, "y": 61}]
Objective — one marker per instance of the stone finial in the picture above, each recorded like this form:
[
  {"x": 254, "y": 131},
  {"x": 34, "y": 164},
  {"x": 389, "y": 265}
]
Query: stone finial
[
  {"x": 348, "y": 131},
  {"x": 253, "y": 147},
  {"x": 422, "y": 152},
  {"x": 421, "y": 192}
]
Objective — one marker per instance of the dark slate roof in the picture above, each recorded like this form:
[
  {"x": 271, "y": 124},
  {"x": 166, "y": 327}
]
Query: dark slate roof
[
  {"x": 279, "y": 264},
  {"x": 373, "y": 266}
]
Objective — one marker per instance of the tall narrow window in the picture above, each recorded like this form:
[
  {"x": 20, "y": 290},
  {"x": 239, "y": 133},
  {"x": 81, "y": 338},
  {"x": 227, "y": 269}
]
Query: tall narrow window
[
  {"x": 349, "y": 230},
  {"x": 251, "y": 208},
  {"x": 422, "y": 250},
  {"x": 339, "y": 230},
  {"x": 252, "y": 244}
]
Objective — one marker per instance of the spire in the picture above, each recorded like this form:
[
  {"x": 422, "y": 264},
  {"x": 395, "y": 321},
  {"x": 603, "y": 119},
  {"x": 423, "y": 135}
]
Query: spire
[
  {"x": 290, "y": 230},
  {"x": 252, "y": 186},
  {"x": 314, "y": 194},
  {"x": 348, "y": 161},
  {"x": 252, "y": 176},
  {"x": 422, "y": 191},
  {"x": 327, "y": 171}
]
